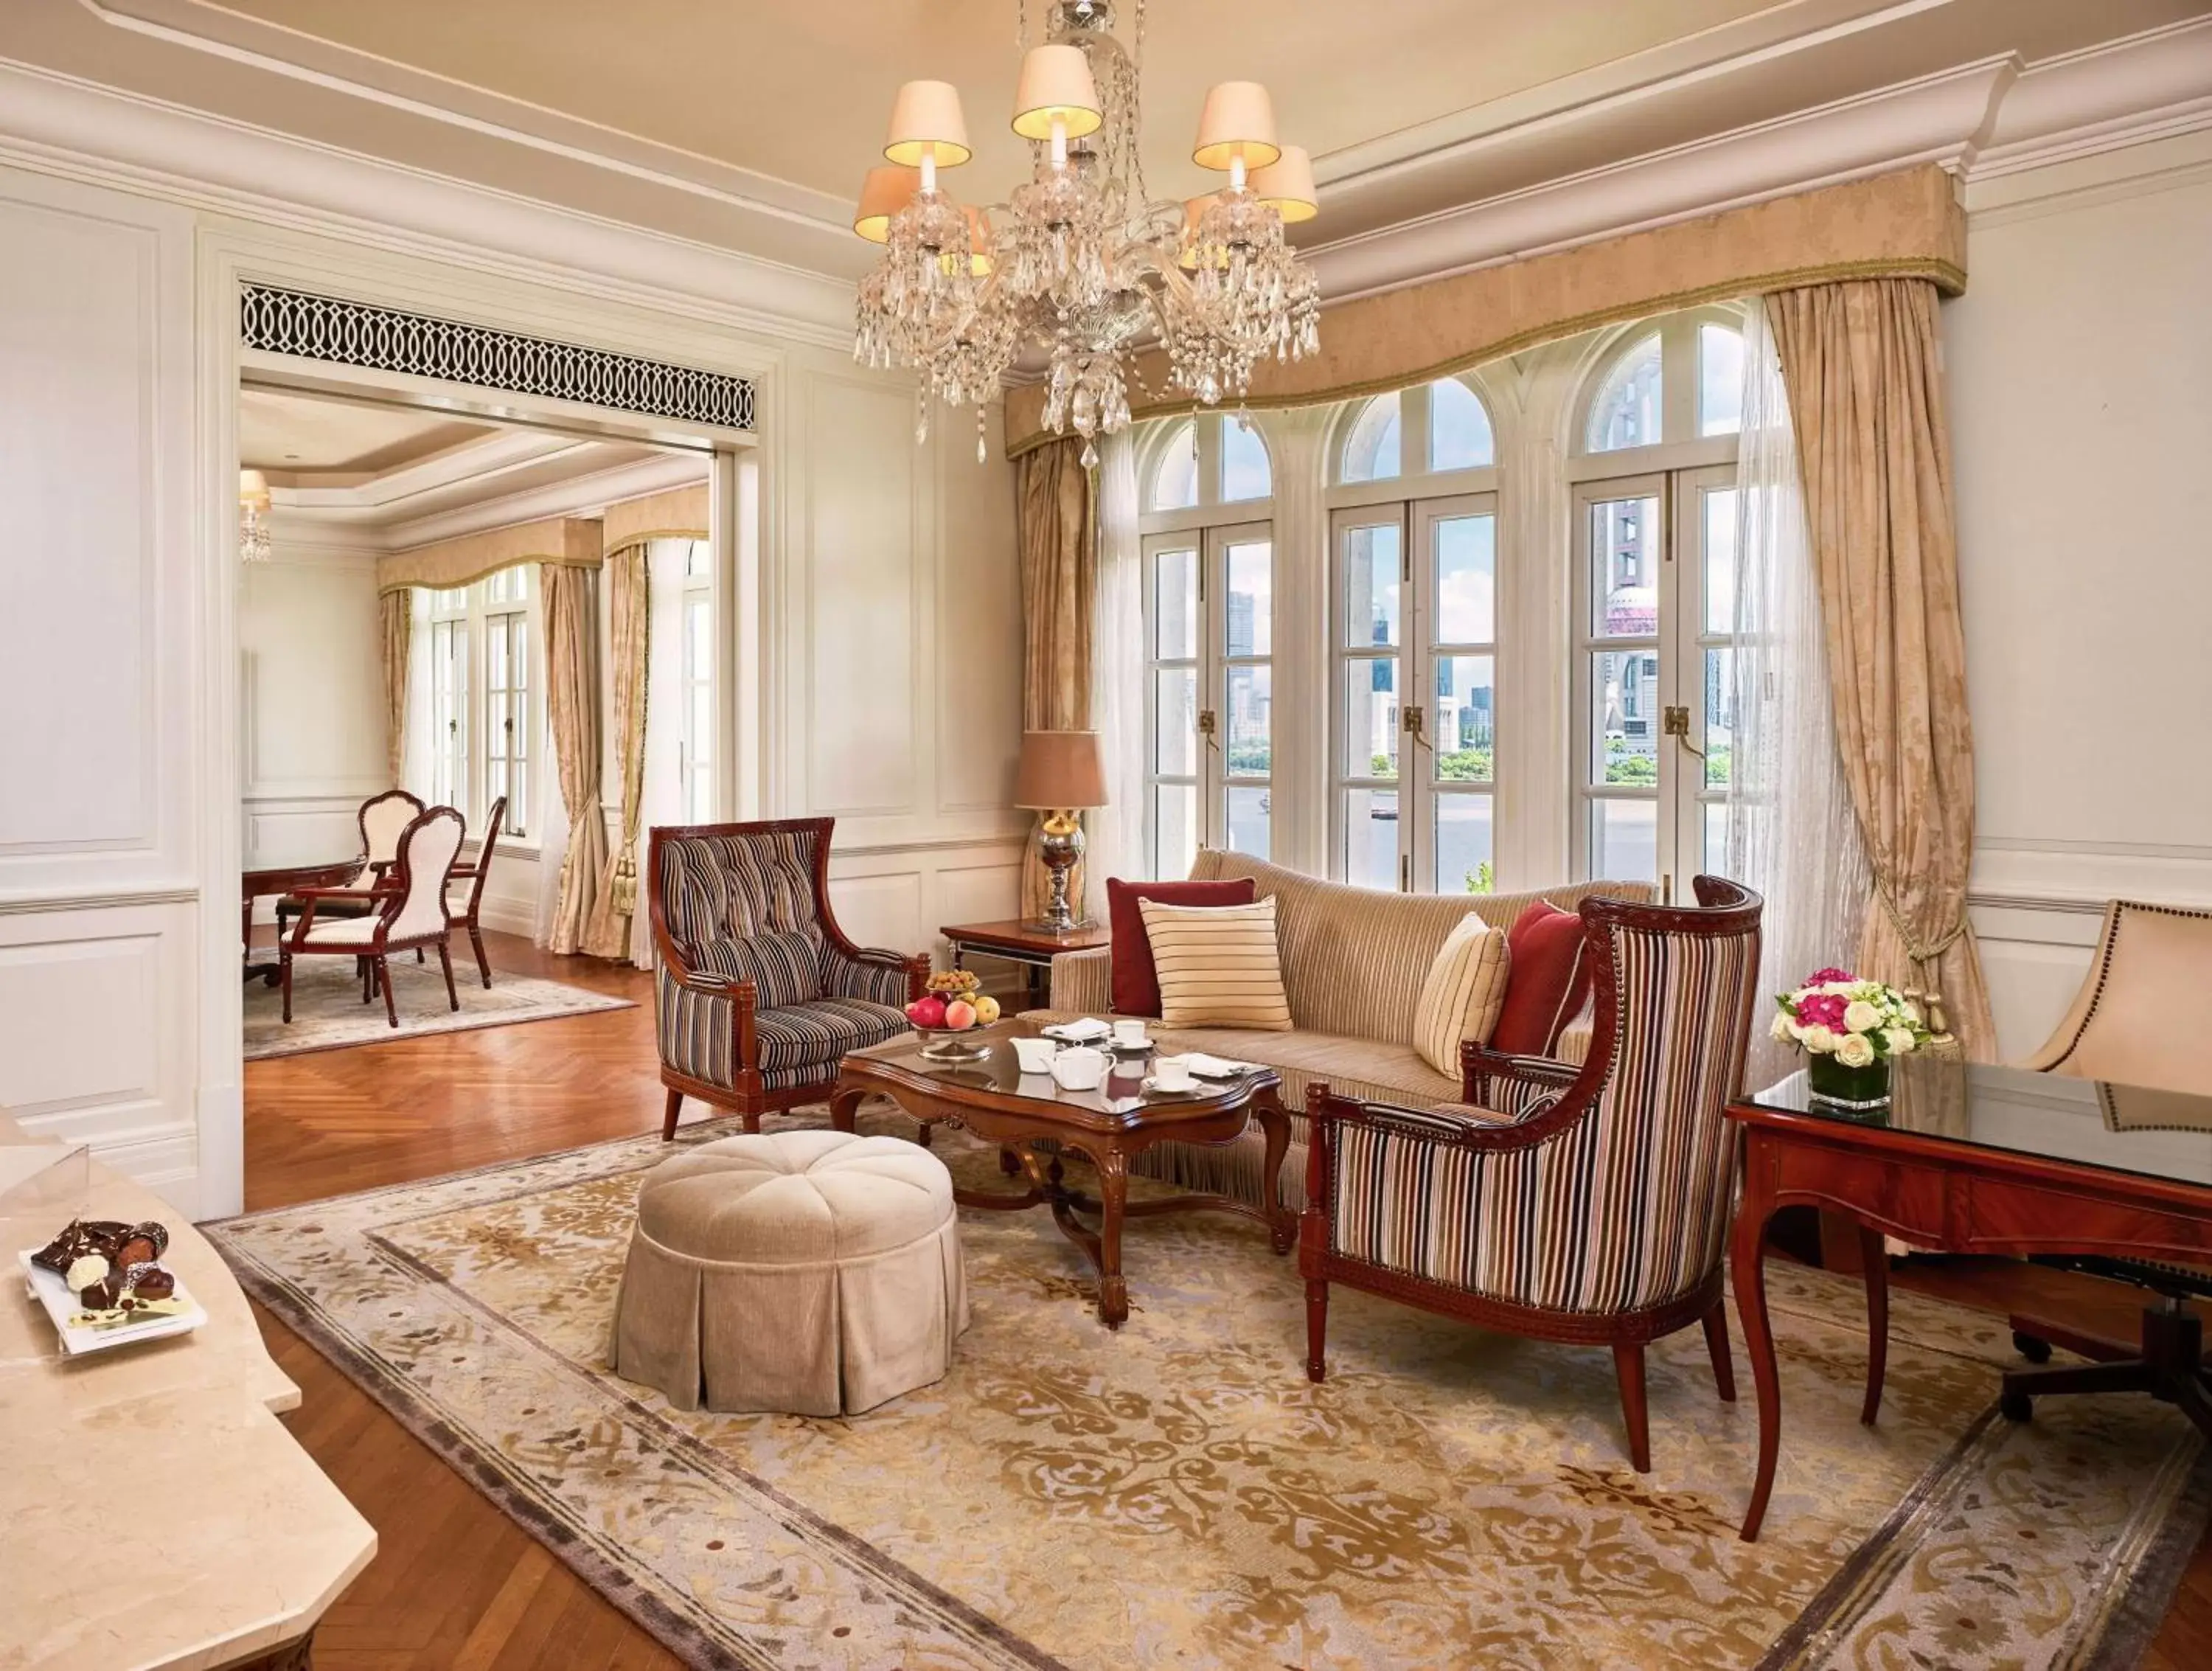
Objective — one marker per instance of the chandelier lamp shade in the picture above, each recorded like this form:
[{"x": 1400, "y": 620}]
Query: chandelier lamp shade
[
  {"x": 1080, "y": 262},
  {"x": 254, "y": 500}
]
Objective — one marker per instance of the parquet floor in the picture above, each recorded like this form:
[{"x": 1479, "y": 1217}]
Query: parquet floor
[{"x": 456, "y": 1586}]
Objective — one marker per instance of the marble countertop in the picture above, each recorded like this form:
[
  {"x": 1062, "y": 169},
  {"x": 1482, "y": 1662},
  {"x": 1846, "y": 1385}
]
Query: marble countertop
[{"x": 155, "y": 1515}]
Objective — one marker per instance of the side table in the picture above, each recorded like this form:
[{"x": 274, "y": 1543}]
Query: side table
[{"x": 1015, "y": 941}]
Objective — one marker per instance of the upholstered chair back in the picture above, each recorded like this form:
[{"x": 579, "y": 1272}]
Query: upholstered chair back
[
  {"x": 737, "y": 882},
  {"x": 428, "y": 851},
  {"x": 2134, "y": 1020},
  {"x": 1354, "y": 959},
  {"x": 383, "y": 819},
  {"x": 1652, "y": 1166}
]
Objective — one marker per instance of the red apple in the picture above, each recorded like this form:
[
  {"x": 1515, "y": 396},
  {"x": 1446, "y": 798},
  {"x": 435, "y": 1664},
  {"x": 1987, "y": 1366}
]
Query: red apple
[
  {"x": 960, "y": 1015},
  {"x": 926, "y": 1012}
]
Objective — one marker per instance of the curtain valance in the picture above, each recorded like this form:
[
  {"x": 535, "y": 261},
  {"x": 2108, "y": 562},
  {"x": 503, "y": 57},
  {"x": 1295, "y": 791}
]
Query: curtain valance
[
  {"x": 568, "y": 542},
  {"x": 676, "y": 513},
  {"x": 1907, "y": 224}
]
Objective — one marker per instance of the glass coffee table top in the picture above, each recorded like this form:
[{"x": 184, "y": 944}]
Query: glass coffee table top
[
  {"x": 999, "y": 1071},
  {"x": 2136, "y": 1129}
]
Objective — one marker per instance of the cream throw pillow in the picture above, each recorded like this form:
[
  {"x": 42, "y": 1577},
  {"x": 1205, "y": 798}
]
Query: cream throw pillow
[
  {"x": 1463, "y": 993},
  {"x": 1217, "y": 965}
]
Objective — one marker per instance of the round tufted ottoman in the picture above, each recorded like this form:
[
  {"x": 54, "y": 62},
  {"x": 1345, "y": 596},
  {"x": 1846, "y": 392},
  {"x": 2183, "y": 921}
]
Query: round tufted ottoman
[{"x": 815, "y": 1273}]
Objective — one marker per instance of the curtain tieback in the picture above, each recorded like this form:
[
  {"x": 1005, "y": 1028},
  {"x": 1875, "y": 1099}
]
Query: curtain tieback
[
  {"x": 625, "y": 881},
  {"x": 1913, "y": 950}
]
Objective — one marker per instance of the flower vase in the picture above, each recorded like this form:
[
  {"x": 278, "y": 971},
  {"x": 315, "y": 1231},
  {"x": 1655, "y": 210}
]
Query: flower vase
[{"x": 1838, "y": 1086}]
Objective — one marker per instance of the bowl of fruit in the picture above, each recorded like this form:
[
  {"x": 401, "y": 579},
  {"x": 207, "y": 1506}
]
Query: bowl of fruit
[{"x": 948, "y": 1014}]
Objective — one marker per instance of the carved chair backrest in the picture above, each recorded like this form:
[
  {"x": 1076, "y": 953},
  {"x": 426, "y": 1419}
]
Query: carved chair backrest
[
  {"x": 383, "y": 819},
  {"x": 428, "y": 852},
  {"x": 492, "y": 826},
  {"x": 731, "y": 881}
]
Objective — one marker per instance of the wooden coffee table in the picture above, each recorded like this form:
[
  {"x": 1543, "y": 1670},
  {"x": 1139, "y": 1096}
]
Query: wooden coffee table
[{"x": 1111, "y": 1125}]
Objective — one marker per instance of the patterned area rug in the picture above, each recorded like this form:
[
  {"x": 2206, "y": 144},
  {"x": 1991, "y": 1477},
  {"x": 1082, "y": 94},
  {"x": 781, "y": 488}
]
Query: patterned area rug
[
  {"x": 1178, "y": 1494},
  {"x": 327, "y": 1013}
]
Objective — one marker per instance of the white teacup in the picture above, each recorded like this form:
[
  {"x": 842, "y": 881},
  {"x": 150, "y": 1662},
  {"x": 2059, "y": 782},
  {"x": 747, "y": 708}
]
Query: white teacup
[
  {"x": 1080, "y": 1069},
  {"x": 1130, "y": 1034},
  {"x": 1172, "y": 1073},
  {"x": 1035, "y": 1054}
]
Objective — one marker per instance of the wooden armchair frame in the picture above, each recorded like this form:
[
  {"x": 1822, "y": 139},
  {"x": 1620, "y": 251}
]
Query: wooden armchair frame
[
  {"x": 751, "y": 1096},
  {"x": 290, "y": 905},
  {"x": 389, "y": 899},
  {"x": 1541, "y": 1102},
  {"x": 469, "y": 915}
]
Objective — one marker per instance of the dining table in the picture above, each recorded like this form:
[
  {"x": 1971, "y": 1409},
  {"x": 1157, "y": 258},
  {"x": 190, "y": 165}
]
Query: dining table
[{"x": 262, "y": 881}]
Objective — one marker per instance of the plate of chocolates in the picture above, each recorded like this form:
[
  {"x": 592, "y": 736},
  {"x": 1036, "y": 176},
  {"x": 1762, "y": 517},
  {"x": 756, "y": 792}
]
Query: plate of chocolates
[{"x": 103, "y": 1283}]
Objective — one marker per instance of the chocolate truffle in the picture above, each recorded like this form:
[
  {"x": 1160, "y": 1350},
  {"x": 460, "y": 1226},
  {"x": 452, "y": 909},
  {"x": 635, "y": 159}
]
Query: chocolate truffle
[
  {"x": 136, "y": 1250},
  {"x": 149, "y": 1282}
]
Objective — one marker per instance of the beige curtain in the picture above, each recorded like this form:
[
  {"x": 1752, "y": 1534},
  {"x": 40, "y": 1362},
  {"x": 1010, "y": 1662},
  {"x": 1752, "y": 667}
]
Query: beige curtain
[
  {"x": 1860, "y": 361},
  {"x": 1055, "y": 523},
  {"x": 569, "y": 596},
  {"x": 629, "y": 624},
  {"x": 396, "y": 611}
]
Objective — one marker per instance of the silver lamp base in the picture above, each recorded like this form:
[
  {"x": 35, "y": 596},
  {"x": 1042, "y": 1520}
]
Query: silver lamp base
[{"x": 1060, "y": 844}]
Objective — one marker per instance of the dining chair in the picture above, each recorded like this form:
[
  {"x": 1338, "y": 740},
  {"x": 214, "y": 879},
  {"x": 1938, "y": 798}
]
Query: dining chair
[
  {"x": 1585, "y": 1203},
  {"x": 470, "y": 916},
  {"x": 409, "y": 911},
  {"x": 381, "y": 819}
]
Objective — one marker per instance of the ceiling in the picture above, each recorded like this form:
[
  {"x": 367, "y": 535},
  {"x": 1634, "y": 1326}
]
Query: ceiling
[
  {"x": 290, "y": 434},
  {"x": 747, "y": 126}
]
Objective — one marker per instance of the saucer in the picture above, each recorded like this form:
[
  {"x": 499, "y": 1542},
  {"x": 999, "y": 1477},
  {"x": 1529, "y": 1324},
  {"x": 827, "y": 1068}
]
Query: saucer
[{"x": 1152, "y": 1089}]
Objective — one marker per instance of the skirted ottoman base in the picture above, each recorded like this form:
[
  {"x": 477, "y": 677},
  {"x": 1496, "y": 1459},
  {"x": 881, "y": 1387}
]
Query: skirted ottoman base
[{"x": 813, "y": 1273}]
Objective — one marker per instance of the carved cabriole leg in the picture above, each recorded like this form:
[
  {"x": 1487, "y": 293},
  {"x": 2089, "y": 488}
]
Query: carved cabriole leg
[
  {"x": 1717, "y": 1348},
  {"x": 668, "y": 1120},
  {"x": 1628, "y": 1367},
  {"x": 1316, "y": 1330},
  {"x": 1113, "y": 1195},
  {"x": 1747, "y": 1268},
  {"x": 483, "y": 962},
  {"x": 446, "y": 962},
  {"x": 1275, "y": 1128},
  {"x": 383, "y": 977},
  {"x": 1010, "y": 1163},
  {"x": 844, "y": 1110},
  {"x": 1874, "y": 1254}
]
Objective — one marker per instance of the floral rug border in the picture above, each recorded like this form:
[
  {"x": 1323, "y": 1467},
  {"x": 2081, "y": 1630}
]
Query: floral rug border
[{"x": 2146, "y": 1574}]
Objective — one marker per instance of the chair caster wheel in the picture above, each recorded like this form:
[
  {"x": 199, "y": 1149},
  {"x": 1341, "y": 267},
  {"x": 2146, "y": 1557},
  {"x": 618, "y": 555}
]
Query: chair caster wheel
[
  {"x": 2015, "y": 1407},
  {"x": 2031, "y": 1348}
]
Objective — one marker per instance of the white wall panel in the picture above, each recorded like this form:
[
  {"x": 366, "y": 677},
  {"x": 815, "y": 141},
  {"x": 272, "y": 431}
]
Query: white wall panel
[
  {"x": 311, "y": 678},
  {"x": 978, "y": 612}
]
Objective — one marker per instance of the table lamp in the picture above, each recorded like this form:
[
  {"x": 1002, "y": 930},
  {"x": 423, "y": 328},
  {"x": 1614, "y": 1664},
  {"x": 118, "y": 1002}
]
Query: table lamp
[{"x": 1058, "y": 777}]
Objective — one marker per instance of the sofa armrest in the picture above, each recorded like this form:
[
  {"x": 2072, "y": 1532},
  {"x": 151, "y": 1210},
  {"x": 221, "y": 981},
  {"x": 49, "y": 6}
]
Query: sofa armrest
[
  {"x": 1517, "y": 1086},
  {"x": 1083, "y": 982}
]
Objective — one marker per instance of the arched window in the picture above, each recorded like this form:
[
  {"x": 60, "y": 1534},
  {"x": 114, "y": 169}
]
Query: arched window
[
  {"x": 1626, "y": 413},
  {"x": 1175, "y": 480},
  {"x": 1459, "y": 428},
  {"x": 1244, "y": 469},
  {"x": 1370, "y": 452},
  {"x": 1720, "y": 380}
]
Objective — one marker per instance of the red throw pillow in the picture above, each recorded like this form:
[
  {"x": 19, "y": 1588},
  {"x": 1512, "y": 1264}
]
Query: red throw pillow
[
  {"x": 1136, "y": 979},
  {"x": 1546, "y": 982}
]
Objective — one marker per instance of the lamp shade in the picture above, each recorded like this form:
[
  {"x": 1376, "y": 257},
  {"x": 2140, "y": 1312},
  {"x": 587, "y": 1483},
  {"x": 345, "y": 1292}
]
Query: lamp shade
[
  {"x": 926, "y": 122},
  {"x": 1060, "y": 769},
  {"x": 887, "y": 191},
  {"x": 253, "y": 489},
  {"x": 1237, "y": 124},
  {"x": 1056, "y": 83},
  {"x": 1288, "y": 183}
]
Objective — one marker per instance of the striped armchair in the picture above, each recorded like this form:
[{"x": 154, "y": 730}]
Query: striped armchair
[
  {"x": 760, "y": 993},
  {"x": 1586, "y": 1203}
]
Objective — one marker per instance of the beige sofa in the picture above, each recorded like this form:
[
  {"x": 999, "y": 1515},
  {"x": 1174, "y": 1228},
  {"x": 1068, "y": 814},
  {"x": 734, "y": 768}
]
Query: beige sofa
[{"x": 1353, "y": 960}]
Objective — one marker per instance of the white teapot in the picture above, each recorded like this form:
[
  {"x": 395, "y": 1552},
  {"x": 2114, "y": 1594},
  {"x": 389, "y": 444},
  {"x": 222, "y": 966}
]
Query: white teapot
[{"x": 1079, "y": 1068}]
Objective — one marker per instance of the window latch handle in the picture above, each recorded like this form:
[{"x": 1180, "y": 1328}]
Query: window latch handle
[{"x": 1674, "y": 721}]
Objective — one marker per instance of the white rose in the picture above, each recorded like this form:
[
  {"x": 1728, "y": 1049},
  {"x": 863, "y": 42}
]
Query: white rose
[
  {"x": 1854, "y": 1050},
  {"x": 1817, "y": 1039},
  {"x": 1861, "y": 1016},
  {"x": 1900, "y": 1041},
  {"x": 1782, "y": 1029},
  {"x": 1907, "y": 1014}
]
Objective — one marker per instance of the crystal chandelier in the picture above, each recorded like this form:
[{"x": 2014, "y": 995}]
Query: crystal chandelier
[
  {"x": 253, "y": 516},
  {"x": 1078, "y": 259}
]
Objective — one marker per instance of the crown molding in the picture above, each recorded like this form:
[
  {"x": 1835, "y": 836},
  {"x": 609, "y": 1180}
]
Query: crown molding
[{"x": 57, "y": 124}]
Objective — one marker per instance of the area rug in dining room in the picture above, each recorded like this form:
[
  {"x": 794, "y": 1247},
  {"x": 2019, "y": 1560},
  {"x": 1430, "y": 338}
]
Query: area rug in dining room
[
  {"x": 327, "y": 1013},
  {"x": 1179, "y": 1494}
]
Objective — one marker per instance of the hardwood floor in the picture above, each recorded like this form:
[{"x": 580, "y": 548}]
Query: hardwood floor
[{"x": 456, "y": 1583}]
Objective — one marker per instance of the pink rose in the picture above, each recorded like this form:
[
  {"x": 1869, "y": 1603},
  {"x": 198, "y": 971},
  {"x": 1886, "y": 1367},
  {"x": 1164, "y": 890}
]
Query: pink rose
[
  {"x": 1826, "y": 1010},
  {"x": 1822, "y": 977}
]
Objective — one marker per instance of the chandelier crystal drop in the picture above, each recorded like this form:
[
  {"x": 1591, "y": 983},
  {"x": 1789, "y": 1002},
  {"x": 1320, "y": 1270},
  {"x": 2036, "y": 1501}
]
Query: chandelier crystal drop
[
  {"x": 1079, "y": 261},
  {"x": 254, "y": 500}
]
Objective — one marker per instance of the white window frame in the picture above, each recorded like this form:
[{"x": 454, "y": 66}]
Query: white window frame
[
  {"x": 1208, "y": 528},
  {"x": 460, "y": 621},
  {"x": 1416, "y": 500},
  {"x": 507, "y": 753},
  {"x": 1679, "y": 474},
  {"x": 450, "y": 720}
]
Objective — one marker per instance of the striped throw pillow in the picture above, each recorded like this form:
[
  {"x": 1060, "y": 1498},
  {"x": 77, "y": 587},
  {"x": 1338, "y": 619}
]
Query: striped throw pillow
[
  {"x": 1217, "y": 965},
  {"x": 1463, "y": 993}
]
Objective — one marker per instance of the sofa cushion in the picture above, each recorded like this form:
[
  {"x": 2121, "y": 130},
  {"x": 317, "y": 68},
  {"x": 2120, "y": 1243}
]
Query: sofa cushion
[
  {"x": 1460, "y": 1000},
  {"x": 818, "y": 1035},
  {"x": 1216, "y": 963},
  {"x": 1136, "y": 981},
  {"x": 1548, "y": 983},
  {"x": 785, "y": 968}
]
